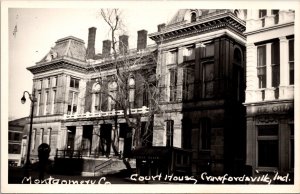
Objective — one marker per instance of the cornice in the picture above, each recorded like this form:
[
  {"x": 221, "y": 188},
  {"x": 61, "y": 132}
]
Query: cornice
[
  {"x": 61, "y": 63},
  {"x": 256, "y": 31},
  {"x": 224, "y": 20}
]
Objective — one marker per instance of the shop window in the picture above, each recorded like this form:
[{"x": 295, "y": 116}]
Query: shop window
[
  {"x": 74, "y": 83},
  {"x": 291, "y": 61},
  {"x": 173, "y": 84},
  {"x": 169, "y": 133},
  {"x": 261, "y": 66},
  {"x": 268, "y": 147}
]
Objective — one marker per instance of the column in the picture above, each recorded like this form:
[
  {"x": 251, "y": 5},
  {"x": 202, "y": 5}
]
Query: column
[
  {"x": 179, "y": 74},
  {"x": 252, "y": 92},
  {"x": 269, "y": 91},
  {"x": 114, "y": 139},
  {"x": 62, "y": 138},
  {"x": 284, "y": 68},
  {"x": 93, "y": 102},
  {"x": 198, "y": 75},
  {"x": 78, "y": 138},
  {"x": 81, "y": 95},
  {"x": 96, "y": 140},
  {"x": 177, "y": 136}
]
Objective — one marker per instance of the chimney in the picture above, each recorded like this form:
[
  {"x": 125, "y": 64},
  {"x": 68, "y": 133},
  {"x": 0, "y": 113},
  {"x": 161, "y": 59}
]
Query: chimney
[
  {"x": 160, "y": 27},
  {"x": 142, "y": 40},
  {"x": 123, "y": 44},
  {"x": 106, "y": 46},
  {"x": 90, "y": 53}
]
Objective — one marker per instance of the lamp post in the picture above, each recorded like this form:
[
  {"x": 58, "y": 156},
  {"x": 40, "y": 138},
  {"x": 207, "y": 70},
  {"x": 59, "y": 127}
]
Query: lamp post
[{"x": 23, "y": 100}]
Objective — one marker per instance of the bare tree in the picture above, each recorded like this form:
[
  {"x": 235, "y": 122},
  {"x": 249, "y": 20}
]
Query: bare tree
[{"x": 134, "y": 75}]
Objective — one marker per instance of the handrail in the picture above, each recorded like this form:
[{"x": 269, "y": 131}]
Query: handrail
[
  {"x": 113, "y": 112},
  {"x": 102, "y": 165}
]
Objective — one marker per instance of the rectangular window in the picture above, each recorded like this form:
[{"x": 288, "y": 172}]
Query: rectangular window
[
  {"x": 46, "y": 101},
  {"x": 53, "y": 101},
  {"x": 275, "y": 62},
  {"x": 208, "y": 79},
  {"x": 72, "y": 102},
  {"x": 189, "y": 54},
  {"x": 262, "y": 13},
  {"x": 38, "y": 104},
  {"x": 54, "y": 81},
  {"x": 275, "y": 12},
  {"x": 17, "y": 136},
  {"x": 169, "y": 133},
  {"x": 188, "y": 83},
  {"x": 48, "y": 83},
  {"x": 268, "y": 147},
  {"x": 145, "y": 96},
  {"x": 172, "y": 57},
  {"x": 173, "y": 84},
  {"x": 291, "y": 61},
  {"x": 74, "y": 83},
  {"x": 261, "y": 66},
  {"x": 208, "y": 50},
  {"x": 10, "y": 136}
]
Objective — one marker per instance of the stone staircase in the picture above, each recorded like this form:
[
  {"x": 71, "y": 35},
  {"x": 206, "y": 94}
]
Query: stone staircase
[{"x": 104, "y": 166}]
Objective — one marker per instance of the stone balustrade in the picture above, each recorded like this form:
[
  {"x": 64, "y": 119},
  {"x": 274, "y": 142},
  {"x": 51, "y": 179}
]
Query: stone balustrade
[{"x": 113, "y": 112}]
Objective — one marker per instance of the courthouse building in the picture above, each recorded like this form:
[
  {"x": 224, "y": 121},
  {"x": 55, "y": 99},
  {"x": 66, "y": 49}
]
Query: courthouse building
[
  {"x": 201, "y": 65},
  {"x": 270, "y": 91}
]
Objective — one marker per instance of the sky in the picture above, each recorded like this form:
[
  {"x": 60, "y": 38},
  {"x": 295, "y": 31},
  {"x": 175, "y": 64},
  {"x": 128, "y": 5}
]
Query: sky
[{"x": 39, "y": 28}]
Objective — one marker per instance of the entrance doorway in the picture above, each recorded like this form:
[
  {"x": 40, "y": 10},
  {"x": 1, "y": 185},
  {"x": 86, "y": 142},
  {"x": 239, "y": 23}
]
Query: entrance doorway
[
  {"x": 126, "y": 134},
  {"x": 71, "y": 137},
  {"x": 105, "y": 139},
  {"x": 87, "y": 136}
]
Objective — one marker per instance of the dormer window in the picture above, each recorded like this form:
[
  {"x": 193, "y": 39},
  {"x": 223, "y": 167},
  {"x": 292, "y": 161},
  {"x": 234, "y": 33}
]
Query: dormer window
[{"x": 193, "y": 17}]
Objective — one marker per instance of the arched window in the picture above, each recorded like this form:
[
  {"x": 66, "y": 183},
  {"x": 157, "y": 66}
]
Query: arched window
[
  {"x": 131, "y": 84},
  {"x": 237, "y": 56},
  {"x": 96, "y": 97},
  {"x": 193, "y": 17},
  {"x": 236, "y": 12}
]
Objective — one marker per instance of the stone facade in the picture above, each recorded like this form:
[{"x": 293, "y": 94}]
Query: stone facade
[{"x": 270, "y": 91}]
